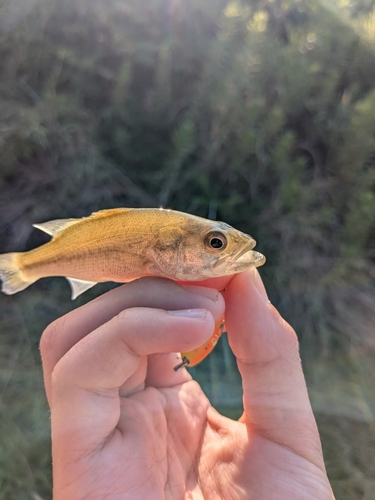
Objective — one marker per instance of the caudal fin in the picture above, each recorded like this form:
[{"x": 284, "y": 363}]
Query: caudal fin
[{"x": 10, "y": 274}]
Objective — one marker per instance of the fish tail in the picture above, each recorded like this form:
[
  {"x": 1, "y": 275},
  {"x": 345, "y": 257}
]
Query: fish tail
[{"x": 11, "y": 275}]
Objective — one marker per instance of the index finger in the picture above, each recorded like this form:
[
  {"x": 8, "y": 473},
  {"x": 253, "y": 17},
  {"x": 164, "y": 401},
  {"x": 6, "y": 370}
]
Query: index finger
[{"x": 157, "y": 293}]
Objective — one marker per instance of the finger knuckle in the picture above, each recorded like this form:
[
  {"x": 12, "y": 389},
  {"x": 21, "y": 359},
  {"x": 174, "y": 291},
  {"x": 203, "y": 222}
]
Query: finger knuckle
[{"x": 48, "y": 338}]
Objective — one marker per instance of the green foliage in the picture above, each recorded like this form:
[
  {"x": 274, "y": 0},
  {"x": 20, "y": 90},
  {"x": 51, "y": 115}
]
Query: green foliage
[
  {"x": 257, "y": 112},
  {"x": 260, "y": 113},
  {"x": 25, "y": 457}
]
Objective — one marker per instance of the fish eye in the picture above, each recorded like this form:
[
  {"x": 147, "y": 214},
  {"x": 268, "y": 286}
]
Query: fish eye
[{"x": 216, "y": 241}]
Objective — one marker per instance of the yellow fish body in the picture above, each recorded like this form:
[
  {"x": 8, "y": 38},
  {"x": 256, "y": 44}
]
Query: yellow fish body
[{"x": 124, "y": 244}]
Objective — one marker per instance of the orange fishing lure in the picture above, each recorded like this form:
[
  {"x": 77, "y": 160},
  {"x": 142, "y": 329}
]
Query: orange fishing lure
[{"x": 195, "y": 356}]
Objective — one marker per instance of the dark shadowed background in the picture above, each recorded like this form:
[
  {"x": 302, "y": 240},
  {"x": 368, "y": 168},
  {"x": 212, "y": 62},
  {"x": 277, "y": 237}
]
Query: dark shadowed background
[{"x": 259, "y": 113}]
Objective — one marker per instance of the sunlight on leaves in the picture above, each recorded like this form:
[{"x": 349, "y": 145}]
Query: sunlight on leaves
[
  {"x": 259, "y": 21},
  {"x": 233, "y": 9}
]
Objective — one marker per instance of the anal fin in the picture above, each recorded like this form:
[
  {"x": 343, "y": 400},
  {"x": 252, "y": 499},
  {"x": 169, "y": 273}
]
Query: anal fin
[{"x": 79, "y": 286}]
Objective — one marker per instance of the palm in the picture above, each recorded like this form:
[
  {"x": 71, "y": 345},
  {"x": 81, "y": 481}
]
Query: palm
[
  {"x": 173, "y": 445},
  {"x": 164, "y": 444}
]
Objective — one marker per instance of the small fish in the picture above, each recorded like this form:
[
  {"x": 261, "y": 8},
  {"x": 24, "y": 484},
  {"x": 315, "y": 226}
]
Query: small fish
[{"x": 124, "y": 244}]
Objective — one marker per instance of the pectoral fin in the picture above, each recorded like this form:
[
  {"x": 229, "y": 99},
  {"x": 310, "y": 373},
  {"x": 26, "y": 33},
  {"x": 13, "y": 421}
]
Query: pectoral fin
[{"x": 79, "y": 286}]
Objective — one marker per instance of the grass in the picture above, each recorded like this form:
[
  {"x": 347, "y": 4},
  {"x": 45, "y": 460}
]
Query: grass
[
  {"x": 349, "y": 453},
  {"x": 343, "y": 398},
  {"x": 25, "y": 458}
]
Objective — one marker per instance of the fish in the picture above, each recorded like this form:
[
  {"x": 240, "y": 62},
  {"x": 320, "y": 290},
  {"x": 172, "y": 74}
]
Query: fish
[{"x": 124, "y": 244}]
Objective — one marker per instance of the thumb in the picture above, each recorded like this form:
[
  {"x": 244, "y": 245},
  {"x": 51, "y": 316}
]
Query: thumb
[{"x": 276, "y": 403}]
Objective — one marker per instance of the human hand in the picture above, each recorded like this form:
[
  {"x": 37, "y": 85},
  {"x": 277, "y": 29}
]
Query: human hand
[{"x": 126, "y": 426}]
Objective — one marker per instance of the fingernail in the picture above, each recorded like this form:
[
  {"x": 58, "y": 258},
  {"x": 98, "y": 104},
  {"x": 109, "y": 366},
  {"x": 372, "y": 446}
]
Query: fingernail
[
  {"x": 190, "y": 313},
  {"x": 209, "y": 293}
]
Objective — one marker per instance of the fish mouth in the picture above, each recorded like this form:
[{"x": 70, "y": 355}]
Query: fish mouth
[
  {"x": 244, "y": 259},
  {"x": 245, "y": 250},
  {"x": 251, "y": 257}
]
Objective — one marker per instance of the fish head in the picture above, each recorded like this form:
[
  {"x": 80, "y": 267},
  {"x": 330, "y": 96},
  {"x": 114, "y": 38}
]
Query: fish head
[{"x": 211, "y": 249}]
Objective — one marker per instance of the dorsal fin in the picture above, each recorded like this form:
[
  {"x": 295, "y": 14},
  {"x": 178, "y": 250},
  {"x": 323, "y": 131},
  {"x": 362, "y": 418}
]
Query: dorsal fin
[
  {"x": 79, "y": 286},
  {"x": 53, "y": 227},
  {"x": 108, "y": 212}
]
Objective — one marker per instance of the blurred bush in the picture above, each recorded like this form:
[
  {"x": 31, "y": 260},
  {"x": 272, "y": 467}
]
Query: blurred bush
[
  {"x": 260, "y": 113},
  {"x": 256, "y": 112}
]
